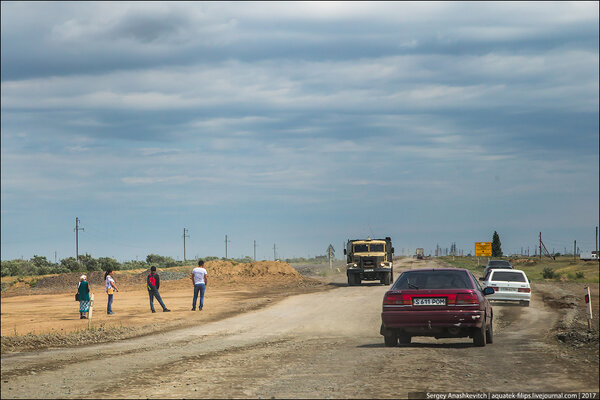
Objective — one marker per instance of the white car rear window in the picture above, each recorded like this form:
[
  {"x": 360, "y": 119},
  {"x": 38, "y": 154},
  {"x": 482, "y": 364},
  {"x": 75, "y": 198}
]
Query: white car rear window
[{"x": 508, "y": 276}]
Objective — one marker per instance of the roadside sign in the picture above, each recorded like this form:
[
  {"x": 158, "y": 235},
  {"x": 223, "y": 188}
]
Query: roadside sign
[
  {"x": 588, "y": 303},
  {"x": 483, "y": 249}
]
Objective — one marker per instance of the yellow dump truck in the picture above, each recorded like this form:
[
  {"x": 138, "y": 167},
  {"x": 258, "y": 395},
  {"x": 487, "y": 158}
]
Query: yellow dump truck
[
  {"x": 369, "y": 260},
  {"x": 419, "y": 253}
]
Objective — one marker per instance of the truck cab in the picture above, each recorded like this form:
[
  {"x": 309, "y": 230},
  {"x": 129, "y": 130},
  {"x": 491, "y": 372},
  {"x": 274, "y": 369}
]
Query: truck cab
[
  {"x": 369, "y": 260},
  {"x": 419, "y": 252}
]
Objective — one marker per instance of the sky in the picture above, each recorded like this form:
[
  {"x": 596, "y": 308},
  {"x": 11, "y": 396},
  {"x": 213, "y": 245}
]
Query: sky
[{"x": 296, "y": 125}]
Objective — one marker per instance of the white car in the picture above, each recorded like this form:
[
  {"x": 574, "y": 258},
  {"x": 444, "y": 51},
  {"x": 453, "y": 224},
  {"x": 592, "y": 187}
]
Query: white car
[{"x": 509, "y": 285}]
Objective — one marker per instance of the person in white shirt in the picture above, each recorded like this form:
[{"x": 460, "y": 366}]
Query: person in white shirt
[
  {"x": 111, "y": 286},
  {"x": 198, "y": 276}
]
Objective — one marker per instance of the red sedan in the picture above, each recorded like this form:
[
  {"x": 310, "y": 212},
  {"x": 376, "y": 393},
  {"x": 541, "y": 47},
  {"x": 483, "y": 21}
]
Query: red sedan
[{"x": 441, "y": 302}]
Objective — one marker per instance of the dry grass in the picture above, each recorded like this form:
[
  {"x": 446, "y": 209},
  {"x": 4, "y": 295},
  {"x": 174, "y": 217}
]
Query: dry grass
[{"x": 564, "y": 268}]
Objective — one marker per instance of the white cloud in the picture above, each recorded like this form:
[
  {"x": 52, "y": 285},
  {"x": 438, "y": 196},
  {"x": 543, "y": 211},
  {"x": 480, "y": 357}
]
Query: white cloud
[{"x": 300, "y": 107}]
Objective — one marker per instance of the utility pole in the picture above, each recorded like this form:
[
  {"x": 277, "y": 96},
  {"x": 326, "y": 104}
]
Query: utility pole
[
  {"x": 255, "y": 250},
  {"x": 77, "y": 229},
  {"x": 184, "y": 236},
  {"x": 574, "y": 250},
  {"x": 226, "y": 241},
  {"x": 274, "y": 253},
  {"x": 597, "y": 255}
]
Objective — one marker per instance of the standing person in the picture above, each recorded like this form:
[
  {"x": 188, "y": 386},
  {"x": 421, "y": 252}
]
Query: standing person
[
  {"x": 83, "y": 288},
  {"x": 111, "y": 286},
  {"x": 198, "y": 276},
  {"x": 153, "y": 283}
]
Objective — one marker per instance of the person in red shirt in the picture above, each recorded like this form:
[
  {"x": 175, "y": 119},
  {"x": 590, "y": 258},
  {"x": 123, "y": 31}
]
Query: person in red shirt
[{"x": 153, "y": 283}]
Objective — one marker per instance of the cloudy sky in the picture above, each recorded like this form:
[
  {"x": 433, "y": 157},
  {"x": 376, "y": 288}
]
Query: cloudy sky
[{"x": 296, "y": 124}]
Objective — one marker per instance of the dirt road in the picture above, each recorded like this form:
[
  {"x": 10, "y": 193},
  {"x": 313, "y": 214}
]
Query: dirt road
[{"x": 324, "y": 345}]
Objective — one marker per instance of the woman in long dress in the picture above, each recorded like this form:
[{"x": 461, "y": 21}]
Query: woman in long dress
[{"x": 84, "y": 297}]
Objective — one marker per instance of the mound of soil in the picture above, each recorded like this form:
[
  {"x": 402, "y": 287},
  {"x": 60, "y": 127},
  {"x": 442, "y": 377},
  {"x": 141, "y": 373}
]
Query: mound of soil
[
  {"x": 568, "y": 301},
  {"x": 70, "y": 280},
  {"x": 219, "y": 272},
  {"x": 226, "y": 269}
]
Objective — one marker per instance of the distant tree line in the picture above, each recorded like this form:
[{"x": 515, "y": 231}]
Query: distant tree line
[{"x": 39, "y": 265}]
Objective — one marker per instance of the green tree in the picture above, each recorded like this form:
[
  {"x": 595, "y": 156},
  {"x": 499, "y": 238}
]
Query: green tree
[
  {"x": 70, "y": 263},
  {"x": 134, "y": 264},
  {"x": 496, "y": 245},
  {"x": 42, "y": 265},
  {"x": 89, "y": 263},
  {"x": 108, "y": 262},
  {"x": 11, "y": 267},
  {"x": 160, "y": 261}
]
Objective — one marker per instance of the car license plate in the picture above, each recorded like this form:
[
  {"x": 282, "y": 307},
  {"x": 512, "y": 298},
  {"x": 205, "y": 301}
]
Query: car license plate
[
  {"x": 509, "y": 289},
  {"x": 368, "y": 270},
  {"x": 429, "y": 301}
]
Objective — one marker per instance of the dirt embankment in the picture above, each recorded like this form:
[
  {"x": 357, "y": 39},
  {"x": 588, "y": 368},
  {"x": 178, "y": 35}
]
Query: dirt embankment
[
  {"x": 220, "y": 272},
  {"x": 571, "y": 333},
  {"x": 46, "y": 315}
]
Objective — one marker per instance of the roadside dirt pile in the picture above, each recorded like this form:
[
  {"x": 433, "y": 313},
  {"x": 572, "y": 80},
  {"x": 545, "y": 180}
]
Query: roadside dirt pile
[
  {"x": 220, "y": 271},
  {"x": 572, "y": 330},
  {"x": 70, "y": 280},
  {"x": 261, "y": 269}
]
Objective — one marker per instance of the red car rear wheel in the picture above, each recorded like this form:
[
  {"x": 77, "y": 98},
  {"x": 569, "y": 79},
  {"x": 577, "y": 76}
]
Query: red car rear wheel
[
  {"x": 479, "y": 336},
  {"x": 390, "y": 340}
]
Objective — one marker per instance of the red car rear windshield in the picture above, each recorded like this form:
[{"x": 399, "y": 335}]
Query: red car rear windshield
[{"x": 433, "y": 280}]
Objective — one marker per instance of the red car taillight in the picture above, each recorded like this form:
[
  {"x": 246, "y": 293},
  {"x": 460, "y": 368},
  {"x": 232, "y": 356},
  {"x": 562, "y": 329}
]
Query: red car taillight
[
  {"x": 395, "y": 298},
  {"x": 524, "y": 290},
  {"x": 466, "y": 298}
]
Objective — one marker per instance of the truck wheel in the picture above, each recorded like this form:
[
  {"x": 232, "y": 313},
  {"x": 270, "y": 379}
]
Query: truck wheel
[
  {"x": 479, "y": 336},
  {"x": 404, "y": 339},
  {"x": 351, "y": 280},
  {"x": 387, "y": 278},
  {"x": 390, "y": 340}
]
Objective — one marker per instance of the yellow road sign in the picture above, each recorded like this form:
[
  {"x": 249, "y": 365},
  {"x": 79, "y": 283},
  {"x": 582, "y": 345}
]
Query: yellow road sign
[{"x": 483, "y": 249}]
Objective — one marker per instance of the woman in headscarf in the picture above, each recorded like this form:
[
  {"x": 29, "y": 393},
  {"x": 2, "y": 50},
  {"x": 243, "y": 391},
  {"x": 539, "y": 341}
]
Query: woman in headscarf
[{"x": 84, "y": 297}]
